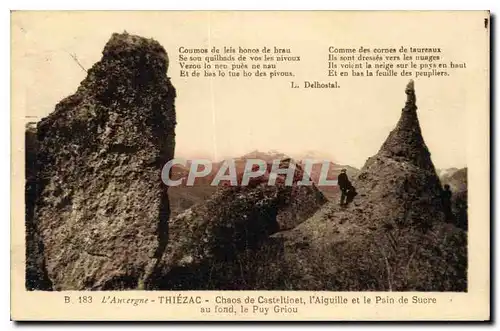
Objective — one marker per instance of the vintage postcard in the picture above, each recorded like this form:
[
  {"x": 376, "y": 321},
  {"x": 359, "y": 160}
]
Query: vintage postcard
[{"x": 250, "y": 165}]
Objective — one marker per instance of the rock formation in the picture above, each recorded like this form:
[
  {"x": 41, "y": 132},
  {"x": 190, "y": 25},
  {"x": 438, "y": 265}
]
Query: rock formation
[
  {"x": 102, "y": 209},
  {"x": 36, "y": 272},
  {"x": 210, "y": 243},
  {"x": 392, "y": 237}
]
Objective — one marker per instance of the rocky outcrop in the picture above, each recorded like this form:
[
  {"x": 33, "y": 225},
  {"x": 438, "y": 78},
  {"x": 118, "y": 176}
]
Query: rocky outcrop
[
  {"x": 210, "y": 243},
  {"x": 98, "y": 212},
  {"x": 102, "y": 209},
  {"x": 400, "y": 181},
  {"x": 184, "y": 196},
  {"x": 392, "y": 237}
]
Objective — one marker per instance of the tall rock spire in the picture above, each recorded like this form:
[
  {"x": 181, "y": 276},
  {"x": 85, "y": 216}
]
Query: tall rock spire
[
  {"x": 405, "y": 142},
  {"x": 390, "y": 238}
]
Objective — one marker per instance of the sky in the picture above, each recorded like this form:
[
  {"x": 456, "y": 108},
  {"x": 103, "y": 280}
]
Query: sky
[{"x": 223, "y": 117}]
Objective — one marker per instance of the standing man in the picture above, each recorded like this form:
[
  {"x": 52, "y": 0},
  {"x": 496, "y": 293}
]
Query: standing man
[{"x": 343, "y": 183}]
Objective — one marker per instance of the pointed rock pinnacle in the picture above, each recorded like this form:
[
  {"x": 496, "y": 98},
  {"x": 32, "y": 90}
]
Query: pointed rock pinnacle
[
  {"x": 411, "y": 99},
  {"x": 405, "y": 142}
]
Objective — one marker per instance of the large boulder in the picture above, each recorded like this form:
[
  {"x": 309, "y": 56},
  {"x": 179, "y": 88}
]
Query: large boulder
[
  {"x": 210, "y": 245},
  {"x": 102, "y": 209},
  {"x": 392, "y": 237}
]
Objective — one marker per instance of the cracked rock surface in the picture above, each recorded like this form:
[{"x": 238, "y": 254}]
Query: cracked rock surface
[{"x": 210, "y": 244}]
